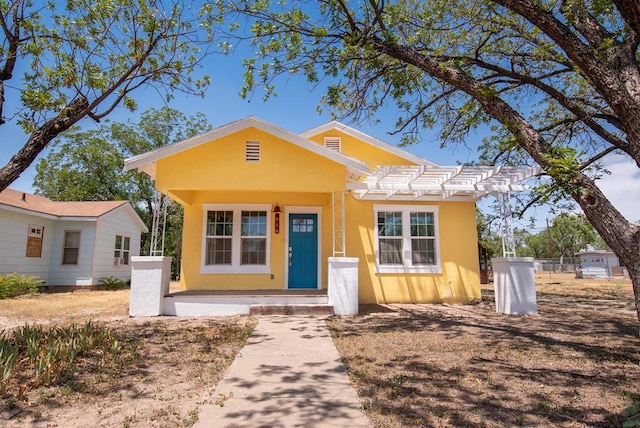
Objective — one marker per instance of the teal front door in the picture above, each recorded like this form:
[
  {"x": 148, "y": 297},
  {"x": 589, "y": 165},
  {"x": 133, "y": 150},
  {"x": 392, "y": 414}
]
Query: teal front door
[{"x": 303, "y": 251}]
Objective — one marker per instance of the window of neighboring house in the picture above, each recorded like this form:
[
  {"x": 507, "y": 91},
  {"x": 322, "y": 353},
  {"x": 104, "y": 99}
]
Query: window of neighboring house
[
  {"x": 407, "y": 239},
  {"x": 35, "y": 236},
  {"x": 121, "y": 253},
  {"x": 71, "y": 248},
  {"x": 236, "y": 239},
  {"x": 333, "y": 143}
]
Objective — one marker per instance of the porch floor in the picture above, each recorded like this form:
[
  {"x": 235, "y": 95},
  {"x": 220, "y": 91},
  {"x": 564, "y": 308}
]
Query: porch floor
[{"x": 292, "y": 292}]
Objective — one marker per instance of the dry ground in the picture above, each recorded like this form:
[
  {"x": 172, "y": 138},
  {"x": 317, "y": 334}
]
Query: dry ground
[
  {"x": 576, "y": 364},
  {"x": 170, "y": 365}
]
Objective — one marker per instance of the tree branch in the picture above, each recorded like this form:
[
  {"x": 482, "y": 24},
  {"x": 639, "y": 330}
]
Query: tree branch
[
  {"x": 597, "y": 157},
  {"x": 586, "y": 24},
  {"x": 12, "y": 53},
  {"x": 630, "y": 11},
  {"x": 563, "y": 100}
]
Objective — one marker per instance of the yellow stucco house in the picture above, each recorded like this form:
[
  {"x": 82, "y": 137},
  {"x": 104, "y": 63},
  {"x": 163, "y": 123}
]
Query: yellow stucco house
[{"x": 266, "y": 211}]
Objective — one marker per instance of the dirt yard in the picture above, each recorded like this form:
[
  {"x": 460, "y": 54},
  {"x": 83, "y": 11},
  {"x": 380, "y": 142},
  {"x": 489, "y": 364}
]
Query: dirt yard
[
  {"x": 169, "y": 367},
  {"x": 576, "y": 364}
]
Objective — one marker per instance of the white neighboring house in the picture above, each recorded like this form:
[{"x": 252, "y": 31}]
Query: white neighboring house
[
  {"x": 598, "y": 263},
  {"x": 67, "y": 243}
]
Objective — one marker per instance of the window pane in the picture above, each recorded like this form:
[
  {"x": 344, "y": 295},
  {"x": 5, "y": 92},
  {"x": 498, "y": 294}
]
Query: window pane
[
  {"x": 218, "y": 251},
  {"x": 118, "y": 241},
  {"x": 72, "y": 239},
  {"x": 125, "y": 258},
  {"x": 70, "y": 256},
  {"x": 422, "y": 224},
  {"x": 389, "y": 224},
  {"x": 390, "y": 251},
  {"x": 253, "y": 251},
  {"x": 303, "y": 225},
  {"x": 253, "y": 223},
  {"x": 126, "y": 242},
  {"x": 423, "y": 252},
  {"x": 219, "y": 223}
]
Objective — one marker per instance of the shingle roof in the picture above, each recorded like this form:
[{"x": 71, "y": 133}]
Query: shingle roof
[{"x": 40, "y": 204}]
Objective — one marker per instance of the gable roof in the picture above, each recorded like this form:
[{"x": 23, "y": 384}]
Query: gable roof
[
  {"x": 146, "y": 162},
  {"x": 61, "y": 210},
  {"x": 368, "y": 139}
]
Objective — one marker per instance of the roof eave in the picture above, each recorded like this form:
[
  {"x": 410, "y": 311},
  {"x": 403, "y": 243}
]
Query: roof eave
[
  {"x": 146, "y": 161},
  {"x": 368, "y": 139}
]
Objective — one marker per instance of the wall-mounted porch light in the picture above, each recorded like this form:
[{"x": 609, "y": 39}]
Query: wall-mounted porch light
[{"x": 277, "y": 211}]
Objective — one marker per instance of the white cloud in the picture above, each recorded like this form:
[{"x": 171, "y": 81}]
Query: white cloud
[{"x": 622, "y": 187}]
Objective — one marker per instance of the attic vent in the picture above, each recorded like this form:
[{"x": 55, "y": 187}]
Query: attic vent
[
  {"x": 332, "y": 143},
  {"x": 252, "y": 153}
]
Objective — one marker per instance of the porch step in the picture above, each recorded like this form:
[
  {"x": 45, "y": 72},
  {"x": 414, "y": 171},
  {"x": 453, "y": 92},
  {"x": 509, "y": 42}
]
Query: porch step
[{"x": 301, "y": 309}]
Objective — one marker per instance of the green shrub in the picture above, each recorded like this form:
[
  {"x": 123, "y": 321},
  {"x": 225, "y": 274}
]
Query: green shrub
[
  {"x": 113, "y": 283},
  {"x": 15, "y": 284}
]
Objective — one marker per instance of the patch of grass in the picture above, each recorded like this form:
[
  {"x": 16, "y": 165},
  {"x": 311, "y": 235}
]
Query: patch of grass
[
  {"x": 631, "y": 416},
  {"x": 104, "y": 384},
  {"x": 32, "y": 356},
  {"x": 62, "y": 308}
]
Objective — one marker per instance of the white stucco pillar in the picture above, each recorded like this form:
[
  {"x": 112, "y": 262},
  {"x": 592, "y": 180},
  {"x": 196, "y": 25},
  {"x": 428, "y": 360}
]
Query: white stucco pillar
[
  {"x": 514, "y": 285},
  {"x": 150, "y": 276},
  {"x": 343, "y": 285}
]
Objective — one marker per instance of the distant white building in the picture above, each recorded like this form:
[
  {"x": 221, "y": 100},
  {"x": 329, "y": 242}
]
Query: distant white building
[
  {"x": 598, "y": 263},
  {"x": 67, "y": 243}
]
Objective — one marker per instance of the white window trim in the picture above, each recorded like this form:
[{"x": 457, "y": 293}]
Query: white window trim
[
  {"x": 122, "y": 250},
  {"x": 407, "y": 266},
  {"x": 235, "y": 267},
  {"x": 302, "y": 210},
  {"x": 38, "y": 230}
]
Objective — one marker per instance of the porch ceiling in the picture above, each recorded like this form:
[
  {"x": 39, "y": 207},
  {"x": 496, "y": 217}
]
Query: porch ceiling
[{"x": 440, "y": 183}]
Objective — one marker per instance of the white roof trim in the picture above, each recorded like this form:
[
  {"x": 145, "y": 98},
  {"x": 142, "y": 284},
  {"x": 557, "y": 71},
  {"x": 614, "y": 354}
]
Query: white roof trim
[
  {"x": 443, "y": 183},
  {"x": 146, "y": 161},
  {"x": 367, "y": 138},
  {"x": 27, "y": 211}
]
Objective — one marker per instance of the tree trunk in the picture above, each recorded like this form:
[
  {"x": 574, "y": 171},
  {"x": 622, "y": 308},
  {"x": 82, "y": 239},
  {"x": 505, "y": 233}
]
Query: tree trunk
[
  {"x": 622, "y": 236},
  {"x": 634, "y": 274}
]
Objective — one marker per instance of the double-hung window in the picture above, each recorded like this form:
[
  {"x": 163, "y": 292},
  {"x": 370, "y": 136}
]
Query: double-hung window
[
  {"x": 236, "y": 238},
  {"x": 407, "y": 239},
  {"x": 121, "y": 251},
  {"x": 71, "y": 247}
]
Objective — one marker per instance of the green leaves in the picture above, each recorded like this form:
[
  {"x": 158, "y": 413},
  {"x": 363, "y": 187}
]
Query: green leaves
[
  {"x": 87, "y": 165},
  {"x": 102, "y": 51}
]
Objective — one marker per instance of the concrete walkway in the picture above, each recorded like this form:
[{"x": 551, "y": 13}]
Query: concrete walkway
[{"x": 289, "y": 374}]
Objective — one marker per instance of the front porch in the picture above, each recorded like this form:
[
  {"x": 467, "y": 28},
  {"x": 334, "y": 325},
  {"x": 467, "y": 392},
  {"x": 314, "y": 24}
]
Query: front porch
[
  {"x": 151, "y": 296},
  {"x": 255, "y": 302}
]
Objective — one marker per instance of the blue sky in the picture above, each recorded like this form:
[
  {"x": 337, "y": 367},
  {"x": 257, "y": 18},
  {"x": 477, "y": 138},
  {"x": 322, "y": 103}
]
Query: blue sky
[{"x": 295, "y": 109}]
